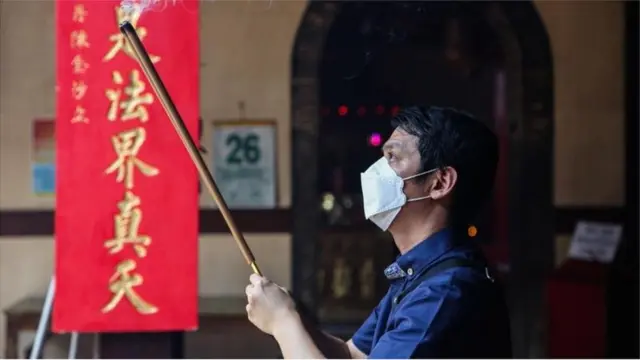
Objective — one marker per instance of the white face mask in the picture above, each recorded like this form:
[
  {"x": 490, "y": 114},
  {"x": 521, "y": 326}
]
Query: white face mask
[{"x": 382, "y": 193}]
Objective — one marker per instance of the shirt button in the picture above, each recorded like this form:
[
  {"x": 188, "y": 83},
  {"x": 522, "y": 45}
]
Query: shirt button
[
  {"x": 410, "y": 271},
  {"x": 395, "y": 299}
]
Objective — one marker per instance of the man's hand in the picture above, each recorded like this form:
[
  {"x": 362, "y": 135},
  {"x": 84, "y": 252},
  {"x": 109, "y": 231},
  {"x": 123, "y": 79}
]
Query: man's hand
[{"x": 268, "y": 305}]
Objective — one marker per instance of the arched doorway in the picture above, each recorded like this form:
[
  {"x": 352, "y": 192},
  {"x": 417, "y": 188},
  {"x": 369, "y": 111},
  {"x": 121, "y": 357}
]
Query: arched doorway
[{"x": 353, "y": 63}]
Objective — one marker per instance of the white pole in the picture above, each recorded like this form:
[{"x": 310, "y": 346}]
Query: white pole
[
  {"x": 73, "y": 346},
  {"x": 44, "y": 320},
  {"x": 96, "y": 346}
]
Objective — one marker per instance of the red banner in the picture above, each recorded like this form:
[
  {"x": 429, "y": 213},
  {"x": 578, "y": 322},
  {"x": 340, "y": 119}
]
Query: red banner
[{"x": 126, "y": 191}]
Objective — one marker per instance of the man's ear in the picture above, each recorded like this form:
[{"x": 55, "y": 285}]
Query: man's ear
[{"x": 442, "y": 183}]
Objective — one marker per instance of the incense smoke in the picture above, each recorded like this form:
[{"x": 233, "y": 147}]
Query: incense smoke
[{"x": 141, "y": 6}]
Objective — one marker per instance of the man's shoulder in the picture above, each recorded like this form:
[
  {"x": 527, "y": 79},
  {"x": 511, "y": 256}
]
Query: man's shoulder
[
  {"x": 466, "y": 279},
  {"x": 457, "y": 267},
  {"x": 445, "y": 299},
  {"x": 457, "y": 279}
]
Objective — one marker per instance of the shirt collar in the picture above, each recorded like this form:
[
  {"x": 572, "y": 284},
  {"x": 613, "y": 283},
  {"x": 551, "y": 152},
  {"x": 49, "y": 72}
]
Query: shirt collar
[{"x": 420, "y": 256}]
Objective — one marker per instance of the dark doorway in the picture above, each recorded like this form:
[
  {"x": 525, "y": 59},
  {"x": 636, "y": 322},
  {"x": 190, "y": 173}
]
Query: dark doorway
[
  {"x": 354, "y": 65},
  {"x": 444, "y": 54}
]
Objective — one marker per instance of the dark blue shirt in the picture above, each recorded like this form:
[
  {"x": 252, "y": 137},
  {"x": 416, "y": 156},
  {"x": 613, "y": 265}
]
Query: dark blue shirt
[{"x": 458, "y": 312}]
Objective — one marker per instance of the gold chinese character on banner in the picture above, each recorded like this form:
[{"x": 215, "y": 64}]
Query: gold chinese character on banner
[
  {"x": 118, "y": 40},
  {"x": 79, "y": 115},
  {"x": 79, "y": 65},
  {"x": 127, "y": 224},
  {"x": 79, "y": 39},
  {"x": 78, "y": 89},
  {"x": 79, "y": 13},
  {"x": 127, "y": 144},
  {"x": 134, "y": 104},
  {"x": 122, "y": 284}
]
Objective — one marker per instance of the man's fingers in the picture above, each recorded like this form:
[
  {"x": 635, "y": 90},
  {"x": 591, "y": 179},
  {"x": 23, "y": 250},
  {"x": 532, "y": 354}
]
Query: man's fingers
[
  {"x": 249, "y": 291},
  {"x": 249, "y": 312},
  {"x": 257, "y": 279}
]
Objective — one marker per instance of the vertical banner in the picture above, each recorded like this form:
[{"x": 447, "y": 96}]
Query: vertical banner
[{"x": 126, "y": 190}]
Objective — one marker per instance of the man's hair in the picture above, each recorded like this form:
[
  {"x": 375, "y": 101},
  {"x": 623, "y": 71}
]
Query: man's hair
[{"x": 450, "y": 137}]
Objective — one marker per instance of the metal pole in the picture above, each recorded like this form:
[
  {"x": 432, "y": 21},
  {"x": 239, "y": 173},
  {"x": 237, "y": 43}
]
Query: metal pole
[
  {"x": 96, "y": 346},
  {"x": 38, "y": 343},
  {"x": 73, "y": 346}
]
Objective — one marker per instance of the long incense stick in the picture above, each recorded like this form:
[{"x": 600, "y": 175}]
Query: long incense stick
[{"x": 161, "y": 92}]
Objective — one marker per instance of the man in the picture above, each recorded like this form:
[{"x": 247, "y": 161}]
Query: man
[{"x": 437, "y": 171}]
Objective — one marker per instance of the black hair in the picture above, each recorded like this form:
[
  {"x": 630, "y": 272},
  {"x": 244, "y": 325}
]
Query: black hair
[{"x": 450, "y": 137}]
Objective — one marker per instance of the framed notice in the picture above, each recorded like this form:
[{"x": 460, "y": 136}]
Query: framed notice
[
  {"x": 43, "y": 157},
  {"x": 593, "y": 241},
  {"x": 244, "y": 162}
]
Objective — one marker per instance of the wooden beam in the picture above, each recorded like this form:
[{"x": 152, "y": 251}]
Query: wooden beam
[{"x": 41, "y": 222}]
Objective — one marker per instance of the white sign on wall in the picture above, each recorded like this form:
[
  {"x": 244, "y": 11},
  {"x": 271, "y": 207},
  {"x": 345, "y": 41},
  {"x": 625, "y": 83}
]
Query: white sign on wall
[
  {"x": 595, "y": 241},
  {"x": 244, "y": 163}
]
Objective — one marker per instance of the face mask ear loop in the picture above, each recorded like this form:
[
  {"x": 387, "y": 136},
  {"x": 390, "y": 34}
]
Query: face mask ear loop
[
  {"x": 415, "y": 176},
  {"x": 420, "y": 198},
  {"x": 419, "y": 174}
]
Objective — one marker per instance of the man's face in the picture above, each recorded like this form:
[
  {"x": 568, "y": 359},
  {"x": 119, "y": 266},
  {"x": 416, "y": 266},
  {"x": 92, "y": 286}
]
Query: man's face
[{"x": 401, "y": 150}]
